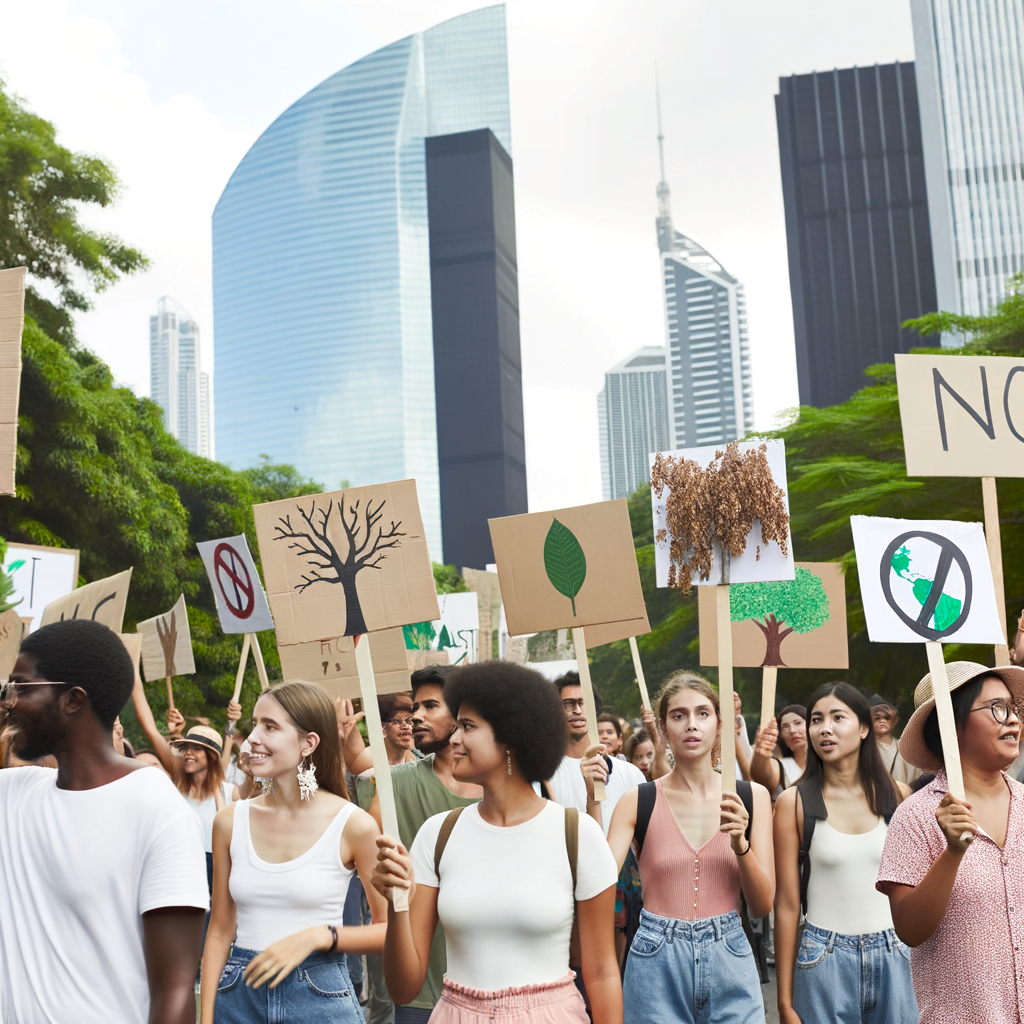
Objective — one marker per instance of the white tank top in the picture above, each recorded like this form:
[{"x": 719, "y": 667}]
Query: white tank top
[
  {"x": 841, "y": 893},
  {"x": 277, "y": 900}
]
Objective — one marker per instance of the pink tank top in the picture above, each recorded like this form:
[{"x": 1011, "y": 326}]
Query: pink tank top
[{"x": 682, "y": 882}]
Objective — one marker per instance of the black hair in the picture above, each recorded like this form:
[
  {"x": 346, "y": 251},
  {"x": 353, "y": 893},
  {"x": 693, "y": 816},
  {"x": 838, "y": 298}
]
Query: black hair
[
  {"x": 789, "y": 709},
  {"x": 878, "y": 785},
  {"x": 634, "y": 741},
  {"x": 612, "y": 719},
  {"x": 390, "y": 703},
  {"x": 962, "y": 697},
  {"x": 432, "y": 675},
  {"x": 572, "y": 678},
  {"x": 87, "y": 654},
  {"x": 522, "y": 708}
]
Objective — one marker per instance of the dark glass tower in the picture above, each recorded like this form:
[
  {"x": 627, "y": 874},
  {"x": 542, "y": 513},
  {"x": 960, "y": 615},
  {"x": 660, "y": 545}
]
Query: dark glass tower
[
  {"x": 860, "y": 252},
  {"x": 474, "y": 297}
]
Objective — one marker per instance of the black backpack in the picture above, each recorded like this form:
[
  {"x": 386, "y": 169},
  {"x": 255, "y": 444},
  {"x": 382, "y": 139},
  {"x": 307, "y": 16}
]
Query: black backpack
[{"x": 646, "y": 796}]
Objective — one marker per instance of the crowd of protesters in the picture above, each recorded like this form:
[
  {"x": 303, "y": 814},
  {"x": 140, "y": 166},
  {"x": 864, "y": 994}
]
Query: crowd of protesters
[{"x": 255, "y": 873}]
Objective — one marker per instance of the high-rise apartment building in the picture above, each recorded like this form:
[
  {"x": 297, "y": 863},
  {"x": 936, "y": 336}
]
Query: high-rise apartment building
[
  {"x": 860, "y": 256},
  {"x": 711, "y": 397},
  {"x": 177, "y": 382},
  {"x": 632, "y": 416},
  {"x": 322, "y": 264},
  {"x": 969, "y": 59}
]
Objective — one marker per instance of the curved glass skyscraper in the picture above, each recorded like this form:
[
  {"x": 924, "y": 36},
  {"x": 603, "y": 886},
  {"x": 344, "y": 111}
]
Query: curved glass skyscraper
[{"x": 321, "y": 264}]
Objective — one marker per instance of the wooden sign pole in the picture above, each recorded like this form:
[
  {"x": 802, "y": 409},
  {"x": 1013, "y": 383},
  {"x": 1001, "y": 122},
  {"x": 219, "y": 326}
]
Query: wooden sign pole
[
  {"x": 579, "y": 643},
  {"x": 170, "y": 695},
  {"x": 638, "y": 668},
  {"x": 379, "y": 754},
  {"x": 769, "y": 677},
  {"x": 947, "y": 725},
  {"x": 995, "y": 557},
  {"x": 242, "y": 661},
  {"x": 261, "y": 669},
  {"x": 725, "y": 690}
]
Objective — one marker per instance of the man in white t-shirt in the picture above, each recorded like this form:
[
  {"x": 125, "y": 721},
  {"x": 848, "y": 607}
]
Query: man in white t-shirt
[{"x": 102, "y": 873}]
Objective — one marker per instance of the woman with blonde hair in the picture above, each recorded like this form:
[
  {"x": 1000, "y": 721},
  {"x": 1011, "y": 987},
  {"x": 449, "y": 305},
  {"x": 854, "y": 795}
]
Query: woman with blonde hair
[
  {"x": 282, "y": 863},
  {"x": 699, "y": 848}
]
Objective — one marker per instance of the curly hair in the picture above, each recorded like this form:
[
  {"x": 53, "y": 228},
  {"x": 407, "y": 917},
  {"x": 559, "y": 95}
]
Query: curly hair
[{"x": 522, "y": 708}]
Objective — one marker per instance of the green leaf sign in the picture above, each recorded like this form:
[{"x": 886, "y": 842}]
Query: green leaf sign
[{"x": 564, "y": 561}]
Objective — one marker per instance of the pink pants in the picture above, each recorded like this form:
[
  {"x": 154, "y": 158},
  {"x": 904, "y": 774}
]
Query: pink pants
[{"x": 554, "y": 1002}]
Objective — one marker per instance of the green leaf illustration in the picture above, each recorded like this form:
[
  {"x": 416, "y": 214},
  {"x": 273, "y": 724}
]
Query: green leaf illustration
[{"x": 564, "y": 561}]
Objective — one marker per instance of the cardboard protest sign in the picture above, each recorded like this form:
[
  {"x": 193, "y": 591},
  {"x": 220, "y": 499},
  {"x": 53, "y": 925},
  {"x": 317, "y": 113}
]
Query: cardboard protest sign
[
  {"x": 40, "y": 575},
  {"x": 133, "y": 645},
  {"x": 11, "y": 631},
  {"x": 12, "y": 320},
  {"x": 455, "y": 632},
  {"x": 332, "y": 664},
  {"x": 925, "y": 580},
  {"x": 241, "y": 603},
  {"x": 167, "y": 644},
  {"x": 347, "y": 562},
  {"x": 701, "y": 495},
  {"x": 962, "y": 415},
  {"x": 798, "y": 623},
  {"x": 104, "y": 600},
  {"x": 569, "y": 568}
]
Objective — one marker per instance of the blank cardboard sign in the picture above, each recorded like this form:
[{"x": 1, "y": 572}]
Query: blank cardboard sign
[
  {"x": 962, "y": 415},
  {"x": 572, "y": 567},
  {"x": 167, "y": 644},
  {"x": 12, "y": 320},
  {"x": 332, "y": 663},
  {"x": 809, "y": 626},
  {"x": 104, "y": 600},
  {"x": 133, "y": 645},
  {"x": 346, "y": 562}
]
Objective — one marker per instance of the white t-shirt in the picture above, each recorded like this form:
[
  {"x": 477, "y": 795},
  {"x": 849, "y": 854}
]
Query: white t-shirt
[
  {"x": 505, "y": 898},
  {"x": 570, "y": 788},
  {"x": 78, "y": 869}
]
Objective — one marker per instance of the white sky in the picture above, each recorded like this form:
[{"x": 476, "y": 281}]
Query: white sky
[{"x": 173, "y": 93}]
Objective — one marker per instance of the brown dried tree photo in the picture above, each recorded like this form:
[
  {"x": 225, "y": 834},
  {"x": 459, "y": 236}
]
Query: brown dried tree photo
[
  {"x": 363, "y": 550},
  {"x": 716, "y": 506}
]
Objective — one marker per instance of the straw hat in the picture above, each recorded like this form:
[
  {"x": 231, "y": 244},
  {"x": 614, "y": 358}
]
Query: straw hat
[
  {"x": 913, "y": 748},
  {"x": 204, "y": 736}
]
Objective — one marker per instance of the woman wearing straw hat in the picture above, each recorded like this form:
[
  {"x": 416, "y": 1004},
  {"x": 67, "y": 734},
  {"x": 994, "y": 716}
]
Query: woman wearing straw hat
[{"x": 954, "y": 869}]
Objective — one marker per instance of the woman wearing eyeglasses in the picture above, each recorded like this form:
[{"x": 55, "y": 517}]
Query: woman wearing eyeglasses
[{"x": 954, "y": 869}]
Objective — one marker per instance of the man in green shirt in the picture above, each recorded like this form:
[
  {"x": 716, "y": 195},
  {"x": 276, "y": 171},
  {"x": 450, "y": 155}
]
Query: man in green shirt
[{"x": 422, "y": 789}]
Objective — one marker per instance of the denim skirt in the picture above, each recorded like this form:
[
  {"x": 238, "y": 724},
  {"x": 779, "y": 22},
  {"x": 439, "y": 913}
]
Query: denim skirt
[
  {"x": 697, "y": 972},
  {"x": 318, "y": 991}
]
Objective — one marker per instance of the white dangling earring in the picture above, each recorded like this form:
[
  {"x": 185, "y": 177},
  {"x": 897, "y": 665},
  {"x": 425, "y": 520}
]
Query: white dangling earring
[
  {"x": 307, "y": 780},
  {"x": 508, "y": 760},
  {"x": 266, "y": 786}
]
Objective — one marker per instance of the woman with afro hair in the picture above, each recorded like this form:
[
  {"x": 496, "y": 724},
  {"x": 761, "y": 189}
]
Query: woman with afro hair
[{"x": 507, "y": 875}]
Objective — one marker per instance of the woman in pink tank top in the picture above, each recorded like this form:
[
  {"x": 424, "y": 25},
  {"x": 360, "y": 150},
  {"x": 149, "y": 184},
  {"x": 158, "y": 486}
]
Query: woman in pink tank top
[{"x": 690, "y": 959}]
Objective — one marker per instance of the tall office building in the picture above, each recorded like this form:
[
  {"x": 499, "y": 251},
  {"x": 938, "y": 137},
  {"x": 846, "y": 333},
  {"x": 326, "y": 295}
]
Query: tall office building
[
  {"x": 709, "y": 380},
  {"x": 632, "y": 416},
  {"x": 970, "y": 83},
  {"x": 177, "y": 382},
  {"x": 321, "y": 264},
  {"x": 860, "y": 255}
]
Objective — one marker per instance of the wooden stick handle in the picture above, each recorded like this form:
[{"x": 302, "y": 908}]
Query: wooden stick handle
[
  {"x": 379, "y": 754},
  {"x": 725, "y": 689},
  {"x": 769, "y": 677},
  {"x": 993, "y": 540},
  {"x": 638, "y": 668},
  {"x": 947, "y": 724},
  {"x": 242, "y": 661},
  {"x": 170, "y": 694},
  {"x": 579, "y": 643},
  {"x": 261, "y": 669}
]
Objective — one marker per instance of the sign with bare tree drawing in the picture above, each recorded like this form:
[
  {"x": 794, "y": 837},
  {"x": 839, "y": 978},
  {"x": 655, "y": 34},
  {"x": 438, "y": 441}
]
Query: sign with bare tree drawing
[
  {"x": 104, "y": 601},
  {"x": 346, "y": 562},
  {"x": 167, "y": 644}
]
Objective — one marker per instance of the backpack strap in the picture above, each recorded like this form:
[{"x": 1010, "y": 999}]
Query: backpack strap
[
  {"x": 646, "y": 796},
  {"x": 572, "y": 841},
  {"x": 745, "y": 791},
  {"x": 809, "y": 794},
  {"x": 443, "y": 836}
]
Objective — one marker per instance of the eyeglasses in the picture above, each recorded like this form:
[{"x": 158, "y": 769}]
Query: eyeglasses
[
  {"x": 1001, "y": 710},
  {"x": 572, "y": 705},
  {"x": 400, "y": 723},
  {"x": 11, "y": 689}
]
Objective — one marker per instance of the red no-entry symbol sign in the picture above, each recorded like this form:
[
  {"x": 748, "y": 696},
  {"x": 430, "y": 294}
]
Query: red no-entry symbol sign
[{"x": 234, "y": 581}]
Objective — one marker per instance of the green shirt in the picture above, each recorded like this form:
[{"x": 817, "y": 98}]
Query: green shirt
[{"x": 420, "y": 794}]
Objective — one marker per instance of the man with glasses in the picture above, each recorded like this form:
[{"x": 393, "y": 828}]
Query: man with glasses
[{"x": 102, "y": 875}]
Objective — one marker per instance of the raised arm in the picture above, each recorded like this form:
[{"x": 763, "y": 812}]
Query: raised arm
[
  {"x": 764, "y": 768},
  {"x": 234, "y": 713},
  {"x": 223, "y": 915},
  {"x": 787, "y": 830},
  {"x": 660, "y": 765},
  {"x": 144, "y": 713}
]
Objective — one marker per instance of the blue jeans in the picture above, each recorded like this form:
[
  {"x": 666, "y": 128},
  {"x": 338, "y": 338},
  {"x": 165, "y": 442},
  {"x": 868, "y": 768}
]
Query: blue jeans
[
  {"x": 318, "y": 991},
  {"x": 851, "y": 979},
  {"x": 700, "y": 972}
]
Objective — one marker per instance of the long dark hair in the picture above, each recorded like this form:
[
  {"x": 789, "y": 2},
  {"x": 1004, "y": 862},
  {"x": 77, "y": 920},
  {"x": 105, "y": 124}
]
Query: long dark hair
[
  {"x": 789, "y": 709},
  {"x": 879, "y": 788}
]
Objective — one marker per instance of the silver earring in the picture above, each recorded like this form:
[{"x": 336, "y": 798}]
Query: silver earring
[
  {"x": 266, "y": 786},
  {"x": 307, "y": 780},
  {"x": 508, "y": 760}
]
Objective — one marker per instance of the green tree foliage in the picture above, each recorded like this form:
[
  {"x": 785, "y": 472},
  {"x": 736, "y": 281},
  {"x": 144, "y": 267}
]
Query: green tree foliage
[
  {"x": 44, "y": 186},
  {"x": 6, "y": 583}
]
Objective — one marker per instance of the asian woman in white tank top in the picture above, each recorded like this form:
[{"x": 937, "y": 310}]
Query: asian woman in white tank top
[
  {"x": 282, "y": 862},
  {"x": 849, "y": 965}
]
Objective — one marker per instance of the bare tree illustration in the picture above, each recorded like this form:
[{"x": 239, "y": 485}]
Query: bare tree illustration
[{"x": 365, "y": 550}]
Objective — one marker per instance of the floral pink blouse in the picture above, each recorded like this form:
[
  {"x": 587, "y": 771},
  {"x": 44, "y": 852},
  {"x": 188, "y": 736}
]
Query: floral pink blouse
[{"x": 972, "y": 968}]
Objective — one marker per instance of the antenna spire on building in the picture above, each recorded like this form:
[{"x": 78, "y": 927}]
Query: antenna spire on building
[{"x": 664, "y": 221}]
